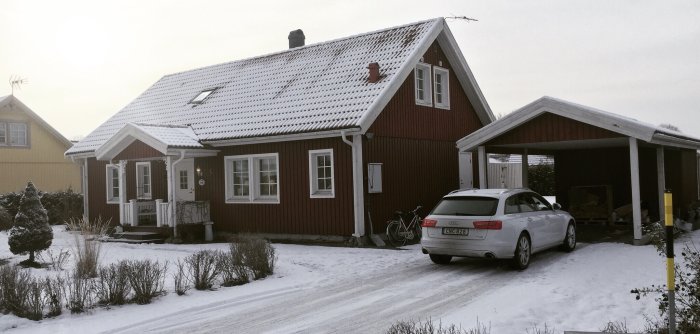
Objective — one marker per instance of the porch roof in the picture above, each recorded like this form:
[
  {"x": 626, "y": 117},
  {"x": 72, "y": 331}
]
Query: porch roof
[{"x": 160, "y": 137}]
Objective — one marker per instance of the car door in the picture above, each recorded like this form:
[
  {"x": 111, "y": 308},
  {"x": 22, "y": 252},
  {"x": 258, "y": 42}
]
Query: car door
[
  {"x": 533, "y": 220},
  {"x": 555, "y": 224}
]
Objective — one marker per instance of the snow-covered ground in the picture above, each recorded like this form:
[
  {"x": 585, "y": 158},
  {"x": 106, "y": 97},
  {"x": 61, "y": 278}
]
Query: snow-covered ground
[{"x": 357, "y": 290}]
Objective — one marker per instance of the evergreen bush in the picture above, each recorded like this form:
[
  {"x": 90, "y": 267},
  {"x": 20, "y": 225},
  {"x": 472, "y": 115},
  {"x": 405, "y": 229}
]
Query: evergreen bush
[{"x": 31, "y": 231}]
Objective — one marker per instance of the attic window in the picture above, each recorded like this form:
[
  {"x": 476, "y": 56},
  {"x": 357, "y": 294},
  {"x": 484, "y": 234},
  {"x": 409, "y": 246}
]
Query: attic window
[{"x": 199, "y": 99}]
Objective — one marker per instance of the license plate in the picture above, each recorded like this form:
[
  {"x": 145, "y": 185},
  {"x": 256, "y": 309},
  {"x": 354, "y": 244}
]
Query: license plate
[{"x": 455, "y": 231}]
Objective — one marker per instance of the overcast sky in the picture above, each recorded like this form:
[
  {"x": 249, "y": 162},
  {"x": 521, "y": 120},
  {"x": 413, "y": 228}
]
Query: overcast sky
[{"x": 85, "y": 60}]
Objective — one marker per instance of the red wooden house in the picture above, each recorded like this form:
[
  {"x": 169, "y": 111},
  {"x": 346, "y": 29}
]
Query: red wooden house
[{"x": 317, "y": 140}]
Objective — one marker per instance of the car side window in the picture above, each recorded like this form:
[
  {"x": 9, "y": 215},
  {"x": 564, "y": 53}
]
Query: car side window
[
  {"x": 540, "y": 202},
  {"x": 526, "y": 203},
  {"x": 511, "y": 205}
]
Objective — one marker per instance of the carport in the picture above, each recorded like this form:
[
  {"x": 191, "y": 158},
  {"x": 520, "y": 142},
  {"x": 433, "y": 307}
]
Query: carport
[{"x": 601, "y": 158}]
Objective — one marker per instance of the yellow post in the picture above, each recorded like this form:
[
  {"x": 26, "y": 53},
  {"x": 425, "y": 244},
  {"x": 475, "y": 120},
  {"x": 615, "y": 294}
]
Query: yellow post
[{"x": 670, "y": 266}]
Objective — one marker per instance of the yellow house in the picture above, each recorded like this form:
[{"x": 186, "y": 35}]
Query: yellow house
[{"x": 32, "y": 150}]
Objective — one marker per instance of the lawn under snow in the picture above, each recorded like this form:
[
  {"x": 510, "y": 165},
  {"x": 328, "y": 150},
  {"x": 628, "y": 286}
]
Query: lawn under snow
[{"x": 343, "y": 290}]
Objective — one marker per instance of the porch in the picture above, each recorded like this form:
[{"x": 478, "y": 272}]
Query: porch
[{"x": 156, "y": 213}]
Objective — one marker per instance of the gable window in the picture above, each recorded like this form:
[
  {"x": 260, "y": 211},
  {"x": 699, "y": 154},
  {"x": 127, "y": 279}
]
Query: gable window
[
  {"x": 252, "y": 178},
  {"x": 112, "y": 184},
  {"x": 143, "y": 180},
  {"x": 199, "y": 99},
  {"x": 13, "y": 134},
  {"x": 441, "y": 80},
  {"x": 423, "y": 86},
  {"x": 321, "y": 173}
]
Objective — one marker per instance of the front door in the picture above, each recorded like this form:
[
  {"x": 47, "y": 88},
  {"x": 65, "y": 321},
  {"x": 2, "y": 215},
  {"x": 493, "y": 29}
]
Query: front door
[{"x": 184, "y": 180}]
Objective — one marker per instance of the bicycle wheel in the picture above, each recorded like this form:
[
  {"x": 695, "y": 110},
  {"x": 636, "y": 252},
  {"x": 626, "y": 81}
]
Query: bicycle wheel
[
  {"x": 395, "y": 238},
  {"x": 418, "y": 232}
]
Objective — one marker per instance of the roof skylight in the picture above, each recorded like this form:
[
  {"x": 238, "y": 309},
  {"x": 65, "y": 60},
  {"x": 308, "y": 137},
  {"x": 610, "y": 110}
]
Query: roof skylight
[{"x": 202, "y": 96}]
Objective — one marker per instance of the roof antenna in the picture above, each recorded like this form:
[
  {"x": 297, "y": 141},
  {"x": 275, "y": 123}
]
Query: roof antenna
[
  {"x": 463, "y": 18},
  {"x": 17, "y": 81}
]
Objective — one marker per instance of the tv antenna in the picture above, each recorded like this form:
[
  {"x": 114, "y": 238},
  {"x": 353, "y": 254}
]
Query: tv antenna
[
  {"x": 463, "y": 18},
  {"x": 17, "y": 81}
]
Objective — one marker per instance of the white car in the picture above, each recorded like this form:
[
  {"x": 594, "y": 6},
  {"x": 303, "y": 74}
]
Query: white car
[{"x": 495, "y": 223}]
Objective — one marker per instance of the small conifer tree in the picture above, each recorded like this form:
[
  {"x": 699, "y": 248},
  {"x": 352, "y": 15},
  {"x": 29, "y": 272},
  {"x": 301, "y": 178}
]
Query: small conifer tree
[{"x": 31, "y": 231}]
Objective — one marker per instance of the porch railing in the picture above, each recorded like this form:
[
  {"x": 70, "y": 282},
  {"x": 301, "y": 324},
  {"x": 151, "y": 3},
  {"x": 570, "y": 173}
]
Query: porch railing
[{"x": 143, "y": 212}]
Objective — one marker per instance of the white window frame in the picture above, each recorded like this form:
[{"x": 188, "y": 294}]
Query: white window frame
[
  {"x": 427, "y": 99},
  {"x": 5, "y": 136},
  {"x": 315, "y": 192},
  {"x": 109, "y": 182},
  {"x": 183, "y": 176},
  {"x": 444, "y": 87},
  {"x": 254, "y": 195},
  {"x": 140, "y": 194}
]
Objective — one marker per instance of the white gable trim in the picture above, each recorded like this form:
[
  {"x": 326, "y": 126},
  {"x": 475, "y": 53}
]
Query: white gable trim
[{"x": 125, "y": 137}]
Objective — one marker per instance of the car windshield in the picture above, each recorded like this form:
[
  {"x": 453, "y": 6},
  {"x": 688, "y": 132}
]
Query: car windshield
[{"x": 466, "y": 206}]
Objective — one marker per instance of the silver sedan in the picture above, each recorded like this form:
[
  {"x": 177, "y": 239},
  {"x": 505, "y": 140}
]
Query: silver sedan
[{"x": 496, "y": 223}]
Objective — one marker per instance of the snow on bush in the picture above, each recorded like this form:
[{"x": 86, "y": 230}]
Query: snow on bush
[{"x": 31, "y": 231}]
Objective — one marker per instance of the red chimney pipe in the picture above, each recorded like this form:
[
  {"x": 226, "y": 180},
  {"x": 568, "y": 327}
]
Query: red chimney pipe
[{"x": 373, "y": 72}]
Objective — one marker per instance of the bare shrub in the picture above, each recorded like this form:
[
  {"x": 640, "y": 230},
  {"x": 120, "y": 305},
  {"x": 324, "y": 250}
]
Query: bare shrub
[
  {"x": 14, "y": 284},
  {"x": 112, "y": 286},
  {"x": 181, "y": 279},
  {"x": 54, "y": 261},
  {"x": 258, "y": 255},
  {"x": 96, "y": 227},
  {"x": 203, "y": 268},
  {"x": 618, "y": 327},
  {"x": 147, "y": 279},
  {"x": 233, "y": 268},
  {"x": 537, "y": 330},
  {"x": 78, "y": 293},
  {"x": 428, "y": 327},
  {"x": 87, "y": 251},
  {"x": 33, "y": 308},
  {"x": 53, "y": 288}
]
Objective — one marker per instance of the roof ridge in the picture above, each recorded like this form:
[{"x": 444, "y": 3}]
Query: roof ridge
[
  {"x": 305, "y": 46},
  {"x": 164, "y": 125}
]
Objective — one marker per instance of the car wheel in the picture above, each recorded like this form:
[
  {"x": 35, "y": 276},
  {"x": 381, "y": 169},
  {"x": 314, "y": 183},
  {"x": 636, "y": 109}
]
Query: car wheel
[
  {"x": 440, "y": 259},
  {"x": 521, "y": 258},
  {"x": 570, "y": 238}
]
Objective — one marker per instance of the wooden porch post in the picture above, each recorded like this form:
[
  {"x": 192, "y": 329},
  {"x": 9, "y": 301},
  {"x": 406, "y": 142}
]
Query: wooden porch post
[
  {"x": 122, "y": 191},
  {"x": 524, "y": 170},
  {"x": 482, "y": 168},
  {"x": 636, "y": 205},
  {"x": 86, "y": 202},
  {"x": 661, "y": 180},
  {"x": 169, "y": 176}
]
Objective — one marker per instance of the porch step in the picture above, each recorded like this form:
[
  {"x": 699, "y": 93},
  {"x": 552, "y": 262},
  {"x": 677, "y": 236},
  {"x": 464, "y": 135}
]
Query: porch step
[
  {"x": 132, "y": 241},
  {"x": 137, "y": 237}
]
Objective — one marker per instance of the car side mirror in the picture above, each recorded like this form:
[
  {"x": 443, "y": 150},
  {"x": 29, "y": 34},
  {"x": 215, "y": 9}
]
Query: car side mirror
[{"x": 556, "y": 206}]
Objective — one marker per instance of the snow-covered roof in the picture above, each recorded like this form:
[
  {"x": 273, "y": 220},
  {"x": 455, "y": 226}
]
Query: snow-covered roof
[
  {"x": 310, "y": 89},
  {"x": 612, "y": 122}
]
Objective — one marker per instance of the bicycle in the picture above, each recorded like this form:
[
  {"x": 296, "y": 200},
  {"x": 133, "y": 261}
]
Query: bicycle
[{"x": 398, "y": 232}]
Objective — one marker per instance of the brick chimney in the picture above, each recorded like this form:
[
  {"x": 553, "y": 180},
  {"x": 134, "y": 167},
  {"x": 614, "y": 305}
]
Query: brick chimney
[
  {"x": 296, "y": 38},
  {"x": 373, "y": 72}
]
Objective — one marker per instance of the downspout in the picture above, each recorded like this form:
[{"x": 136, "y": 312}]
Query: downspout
[
  {"x": 173, "y": 210},
  {"x": 357, "y": 184}
]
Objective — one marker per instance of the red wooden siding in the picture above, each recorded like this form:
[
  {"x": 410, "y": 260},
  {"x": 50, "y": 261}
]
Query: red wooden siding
[
  {"x": 416, "y": 145},
  {"x": 552, "y": 128},
  {"x": 296, "y": 213},
  {"x": 138, "y": 150},
  {"x": 97, "y": 193},
  {"x": 403, "y": 118}
]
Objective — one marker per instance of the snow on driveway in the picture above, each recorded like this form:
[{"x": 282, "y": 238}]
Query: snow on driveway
[{"x": 354, "y": 290}]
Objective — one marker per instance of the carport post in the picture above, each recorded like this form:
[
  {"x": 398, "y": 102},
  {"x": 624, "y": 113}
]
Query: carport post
[
  {"x": 636, "y": 205},
  {"x": 524, "y": 171},
  {"x": 661, "y": 179},
  {"x": 482, "y": 168}
]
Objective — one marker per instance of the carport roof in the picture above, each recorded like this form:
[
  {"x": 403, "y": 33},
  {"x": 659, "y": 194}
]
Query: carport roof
[{"x": 619, "y": 124}]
